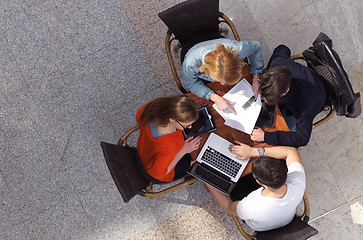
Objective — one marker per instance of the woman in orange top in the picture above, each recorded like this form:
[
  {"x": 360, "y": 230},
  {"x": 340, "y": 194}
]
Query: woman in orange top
[{"x": 161, "y": 146}]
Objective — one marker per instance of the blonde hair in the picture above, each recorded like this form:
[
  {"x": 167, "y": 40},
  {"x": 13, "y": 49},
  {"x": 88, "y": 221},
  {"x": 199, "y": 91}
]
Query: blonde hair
[
  {"x": 160, "y": 110},
  {"x": 223, "y": 63}
]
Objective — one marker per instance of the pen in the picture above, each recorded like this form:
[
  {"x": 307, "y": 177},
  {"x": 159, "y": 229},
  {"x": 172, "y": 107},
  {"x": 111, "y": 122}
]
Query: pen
[{"x": 232, "y": 139}]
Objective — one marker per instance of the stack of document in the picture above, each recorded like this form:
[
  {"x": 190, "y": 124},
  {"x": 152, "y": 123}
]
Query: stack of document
[{"x": 246, "y": 117}]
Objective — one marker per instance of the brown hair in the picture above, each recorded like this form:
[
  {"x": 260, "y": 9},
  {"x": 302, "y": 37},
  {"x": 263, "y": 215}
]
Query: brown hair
[
  {"x": 223, "y": 63},
  {"x": 270, "y": 171},
  {"x": 274, "y": 83},
  {"x": 159, "y": 110}
]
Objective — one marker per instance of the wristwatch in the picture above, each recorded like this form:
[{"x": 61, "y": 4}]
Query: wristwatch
[{"x": 261, "y": 151}]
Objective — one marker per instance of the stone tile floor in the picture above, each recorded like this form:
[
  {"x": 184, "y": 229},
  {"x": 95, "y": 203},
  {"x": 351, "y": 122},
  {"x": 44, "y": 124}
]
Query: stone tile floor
[{"x": 73, "y": 73}]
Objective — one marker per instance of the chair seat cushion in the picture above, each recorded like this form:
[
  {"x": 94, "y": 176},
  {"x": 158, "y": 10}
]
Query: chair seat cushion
[
  {"x": 295, "y": 230},
  {"x": 122, "y": 163}
]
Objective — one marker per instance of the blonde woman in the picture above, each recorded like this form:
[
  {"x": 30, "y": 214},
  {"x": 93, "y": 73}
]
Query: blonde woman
[
  {"x": 220, "y": 60},
  {"x": 161, "y": 146}
]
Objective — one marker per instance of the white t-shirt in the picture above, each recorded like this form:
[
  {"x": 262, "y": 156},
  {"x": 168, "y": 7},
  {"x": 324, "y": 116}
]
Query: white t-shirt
[{"x": 265, "y": 213}]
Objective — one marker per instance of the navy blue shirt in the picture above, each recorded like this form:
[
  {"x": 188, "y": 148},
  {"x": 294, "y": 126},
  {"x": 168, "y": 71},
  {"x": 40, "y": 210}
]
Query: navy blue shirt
[{"x": 305, "y": 100}]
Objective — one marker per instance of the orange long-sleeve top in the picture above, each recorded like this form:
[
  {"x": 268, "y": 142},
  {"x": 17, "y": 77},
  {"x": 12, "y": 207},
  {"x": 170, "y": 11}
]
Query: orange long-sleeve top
[{"x": 156, "y": 153}]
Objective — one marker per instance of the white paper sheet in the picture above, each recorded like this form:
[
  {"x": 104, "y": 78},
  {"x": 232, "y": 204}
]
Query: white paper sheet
[{"x": 245, "y": 119}]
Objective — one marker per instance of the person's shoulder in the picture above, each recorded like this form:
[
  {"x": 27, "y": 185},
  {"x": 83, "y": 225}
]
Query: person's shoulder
[
  {"x": 207, "y": 45},
  {"x": 171, "y": 139},
  {"x": 296, "y": 166},
  {"x": 221, "y": 41},
  {"x": 139, "y": 112},
  {"x": 296, "y": 178},
  {"x": 253, "y": 196},
  {"x": 165, "y": 148},
  {"x": 247, "y": 43},
  {"x": 296, "y": 171},
  {"x": 281, "y": 61},
  {"x": 254, "y": 202}
]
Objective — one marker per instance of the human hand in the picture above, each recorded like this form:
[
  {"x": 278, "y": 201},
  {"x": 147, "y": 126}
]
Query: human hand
[
  {"x": 222, "y": 103},
  {"x": 255, "y": 87},
  {"x": 242, "y": 150},
  {"x": 258, "y": 135},
  {"x": 191, "y": 144}
]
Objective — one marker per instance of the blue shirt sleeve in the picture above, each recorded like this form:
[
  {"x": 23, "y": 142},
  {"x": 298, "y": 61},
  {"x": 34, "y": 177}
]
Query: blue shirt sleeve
[
  {"x": 190, "y": 81},
  {"x": 252, "y": 50},
  {"x": 299, "y": 137}
]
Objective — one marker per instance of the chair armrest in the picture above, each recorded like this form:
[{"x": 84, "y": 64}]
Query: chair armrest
[
  {"x": 150, "y": 194},
  {"x": 123, "y": 139}
]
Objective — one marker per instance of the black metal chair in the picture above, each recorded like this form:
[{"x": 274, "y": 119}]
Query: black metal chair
[
  {"x": 128, "y": 173},
  {"x": 326, "y": 61},
  {"x": 325, "y": 74},
  {"x": 297, "y": 229},
  {"x": 192, "y": 22},
  {"x": 341, "y": 99}
]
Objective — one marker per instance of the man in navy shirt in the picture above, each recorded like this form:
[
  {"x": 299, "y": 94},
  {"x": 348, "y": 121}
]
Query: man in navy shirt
[{"x": 300, "y": 94}]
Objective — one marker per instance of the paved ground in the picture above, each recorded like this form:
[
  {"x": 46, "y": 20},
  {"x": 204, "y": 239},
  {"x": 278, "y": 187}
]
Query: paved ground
[{"x": 73, "y": 73}]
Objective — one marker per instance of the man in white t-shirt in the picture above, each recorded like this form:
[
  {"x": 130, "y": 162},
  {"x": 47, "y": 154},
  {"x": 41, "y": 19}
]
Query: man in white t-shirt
[{"x": 273, "y": 205}]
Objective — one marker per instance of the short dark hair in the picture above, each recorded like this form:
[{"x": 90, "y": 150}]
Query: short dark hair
[
  {"x": 270, "y": 171},
  {"x": 274, "y": 83}
]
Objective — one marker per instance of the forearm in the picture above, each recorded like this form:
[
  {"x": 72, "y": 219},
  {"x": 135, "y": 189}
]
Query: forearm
[
  {"x": 296, "y": 138},
  {"x": 214, "y": 97},
  {"x": 198, "y": 88},
  {"x": 176, "y": 159},
  {"x": 191, "y": 82},
  {"x": 280, "y": 152},
  {"x": 252, "y": 50}
]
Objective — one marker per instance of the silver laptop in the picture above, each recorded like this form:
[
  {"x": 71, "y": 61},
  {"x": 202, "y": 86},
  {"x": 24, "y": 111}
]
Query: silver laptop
[{"x": 217, "y": 166}]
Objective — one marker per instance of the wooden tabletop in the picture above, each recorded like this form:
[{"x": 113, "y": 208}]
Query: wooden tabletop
[{"x": 226, "y": 131}]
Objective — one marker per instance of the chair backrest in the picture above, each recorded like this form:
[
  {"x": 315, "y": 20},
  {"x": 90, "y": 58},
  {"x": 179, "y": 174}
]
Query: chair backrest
[
  {"x": 297, "y": 229},
  {"x": 124, "y": 141},
  {"x": 192, "y": 18},
  {"x": 326, "y": 77},
  {"x": 128, "y": 173},
  {"x": 327, "y": 64},
  {"x": 122, "y": 164},
  {"x": 192, "y": 21}
]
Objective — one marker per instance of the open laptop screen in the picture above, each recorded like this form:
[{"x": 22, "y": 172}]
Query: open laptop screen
[{"x": 203, "y": 125}]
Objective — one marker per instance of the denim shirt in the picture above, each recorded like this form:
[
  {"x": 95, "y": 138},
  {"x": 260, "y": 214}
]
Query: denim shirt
[{"x": 195, "y": 55}]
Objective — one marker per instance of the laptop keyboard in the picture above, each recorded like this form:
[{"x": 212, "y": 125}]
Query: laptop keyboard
[
  {"x": 221, "y": 162},
  {"x": 213, "y": 179}
]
